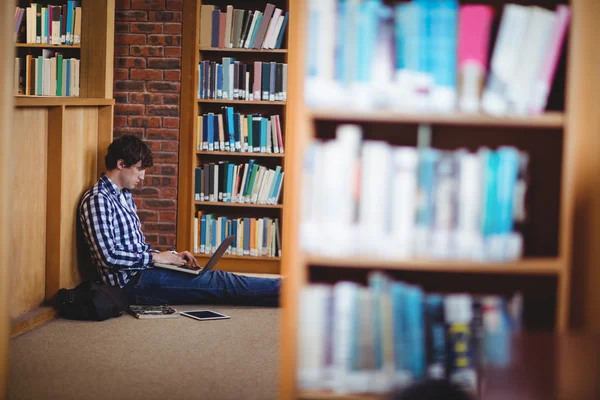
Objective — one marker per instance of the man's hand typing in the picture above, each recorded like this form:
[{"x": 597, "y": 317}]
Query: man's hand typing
[{"x": 166, "y": 257}]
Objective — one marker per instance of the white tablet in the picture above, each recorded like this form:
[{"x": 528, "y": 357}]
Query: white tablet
[{"x": 204, "y": 315}]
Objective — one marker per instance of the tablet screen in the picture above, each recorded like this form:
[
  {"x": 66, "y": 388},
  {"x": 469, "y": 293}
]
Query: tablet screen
[{"x": 204, "y": 314}]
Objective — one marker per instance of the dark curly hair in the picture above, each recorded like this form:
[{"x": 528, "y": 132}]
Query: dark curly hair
[{"x": 131, "y": 150}]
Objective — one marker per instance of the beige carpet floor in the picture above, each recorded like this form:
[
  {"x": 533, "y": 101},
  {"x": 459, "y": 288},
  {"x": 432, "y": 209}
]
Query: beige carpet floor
[{"x": 127, "y": 358}]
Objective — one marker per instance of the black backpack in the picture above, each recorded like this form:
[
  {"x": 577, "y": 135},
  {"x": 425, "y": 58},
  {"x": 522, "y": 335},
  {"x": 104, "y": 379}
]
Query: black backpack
[{"x": 92, "y": 301}]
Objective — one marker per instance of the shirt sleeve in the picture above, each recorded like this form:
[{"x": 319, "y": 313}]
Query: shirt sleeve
[{"x": 97, "y": 216}]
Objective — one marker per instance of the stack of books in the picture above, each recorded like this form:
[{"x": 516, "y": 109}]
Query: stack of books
[
  {"x": 236, "y": 132},
  {"x": 47, "y": 75},
  {"x": 356, "y": 339},
  {"x": 370, "y": 198},
  {"x": 412, "y": 56},
  {"x": 234, "y": 80},
  {"x": 237, "y": 28},
  {"x": 255, "y": 237},
  {"x": 49, "y": 25},
  {"x": 244, "y": 183}
]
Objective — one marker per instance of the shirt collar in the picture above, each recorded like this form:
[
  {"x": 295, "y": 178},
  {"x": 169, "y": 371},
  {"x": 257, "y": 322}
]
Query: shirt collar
[{"x": 111, "y": 186}]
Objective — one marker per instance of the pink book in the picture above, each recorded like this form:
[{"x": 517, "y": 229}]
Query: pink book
[
  {"x": 279, "y": 136},
  {"x": 474, "y": 23},
  {"x": 257, "y": 78},
  {"x": 543, "y": 82}
]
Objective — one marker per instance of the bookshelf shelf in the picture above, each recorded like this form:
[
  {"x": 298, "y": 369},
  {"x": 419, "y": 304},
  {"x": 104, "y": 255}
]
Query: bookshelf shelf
[
  {"x": 51, "y": 101},
  {"x": 238, "y": 154},
  {"x": 247, "y": 258},
  {"x": 241, "y": 205},
  {"x": 546, "y": 120},
  {"x": 47, "y": 46},
  {"x": 239, "y": 50},
  {"x": 243, "y": 102},
  {"x": 535, "y": 266}
]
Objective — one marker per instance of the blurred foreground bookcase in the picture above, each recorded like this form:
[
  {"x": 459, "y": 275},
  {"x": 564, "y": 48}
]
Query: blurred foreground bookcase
[
  {"x": 555, "y": 140},
  {"x": 58, "y": 147},
  {"x": 190, "y": 157}
]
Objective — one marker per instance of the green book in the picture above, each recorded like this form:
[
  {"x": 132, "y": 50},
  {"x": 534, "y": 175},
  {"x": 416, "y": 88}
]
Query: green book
[
  {"x": 252, "y": 179},
  {"x": 59, "y": 77},
  {"x": 40, "y": 76}
]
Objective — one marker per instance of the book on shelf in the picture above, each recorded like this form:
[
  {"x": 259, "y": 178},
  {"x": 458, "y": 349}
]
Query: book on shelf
[
  {"x": 408, "y": 56},
  {"x": 390, "y": 334},
  {"x": 235, "y": 132},
  {"x": 370, "y": 198},
  {"x": 235, "y": 80},
  {"x": 152, "y": 312},
  {"x": 47, "y": 75},
  {"x": 249, "y": 183},
  {"x": 253, "y": 237},
  {"x": 52, "y": 24},
  {"x": 237, "y": 28}
]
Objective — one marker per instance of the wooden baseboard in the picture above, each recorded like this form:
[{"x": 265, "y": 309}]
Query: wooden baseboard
[{"x": 30, "y": 320}]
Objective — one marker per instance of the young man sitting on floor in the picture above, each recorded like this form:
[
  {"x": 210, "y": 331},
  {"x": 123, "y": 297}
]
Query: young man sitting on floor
[{"x": 121, "y": 256}]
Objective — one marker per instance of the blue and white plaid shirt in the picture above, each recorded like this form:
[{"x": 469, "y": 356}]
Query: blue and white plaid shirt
[{"x": 113, "y": 232}]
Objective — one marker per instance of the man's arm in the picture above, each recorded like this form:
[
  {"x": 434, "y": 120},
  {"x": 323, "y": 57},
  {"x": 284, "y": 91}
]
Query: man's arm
[{"x": 97, "y": 219}]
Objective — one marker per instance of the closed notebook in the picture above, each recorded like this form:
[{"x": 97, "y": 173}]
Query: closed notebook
[{"x": 152, "y": 312}]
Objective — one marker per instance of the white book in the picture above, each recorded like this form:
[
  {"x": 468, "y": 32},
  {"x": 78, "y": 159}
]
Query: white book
[
  {"x": 275, "y": 35},
  {"x": 77, "y": 77},
  {"x": 46, "y": 77},
  {"x": 468, "y": 238},
  {"x": 28, "y": 20},
  {"x": 53, "y": 76},
  {"x": 267, "y": 187},
  {"x": 505, "y": 58},
  {"x": 77, "y": 26},
  {"x": 271, "y": 28},
  {"x": 242, "y": 184},
  {"x": 279, "y": 190},
  {"x": 56, "y": 32},
  {"x": 258, "y": 181},
  {"x": 405, "y": 161},
  {"x": 345, "y": 296},
  {"x": 16, "y": 74},
  {"x": 196, "y": 235},
  {"x": 268, "y": 148},
  {"x": 44, "y": 27}
]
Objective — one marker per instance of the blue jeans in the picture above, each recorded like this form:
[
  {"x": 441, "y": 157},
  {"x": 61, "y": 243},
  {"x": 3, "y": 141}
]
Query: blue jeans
[{"x": 156, "y": 286}]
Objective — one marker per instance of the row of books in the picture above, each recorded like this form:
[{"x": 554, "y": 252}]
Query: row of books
[
  {"x": 237, "y": 28},
  {"x": 389, "y": 334},
  {"x": 428, "y": 55},
  {"x": 254, "y": 237},
  {"x": 379, "y": 200},
  {"x": 54, "y": 24},
  {"x": 234, "y": 80},
  {"x": 244, "y": 183},
  {"x": 236, "y": 132},
  {"x": 47, "y": 75}
]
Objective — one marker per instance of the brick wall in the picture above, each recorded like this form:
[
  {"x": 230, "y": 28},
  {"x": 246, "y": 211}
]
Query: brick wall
[{"x": 147, "y": 89}]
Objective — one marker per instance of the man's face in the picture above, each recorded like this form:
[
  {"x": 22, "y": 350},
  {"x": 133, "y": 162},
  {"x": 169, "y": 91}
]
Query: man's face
[{"x": 132, "y": 176}]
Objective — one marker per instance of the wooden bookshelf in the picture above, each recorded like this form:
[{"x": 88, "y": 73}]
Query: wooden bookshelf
[
  {"x": 246, "y": 258},
  {"x": 565, "y": 195},
  {"x": 192, "y": 107},
  {"x": 59, "y": 144}
]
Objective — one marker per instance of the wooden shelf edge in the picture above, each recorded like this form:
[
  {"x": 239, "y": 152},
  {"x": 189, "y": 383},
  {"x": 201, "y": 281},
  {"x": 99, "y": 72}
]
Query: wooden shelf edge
[
  {"x": 240, "y": 154},
  {"x": 51, "y": 101},
  {"x": 247, "y": 258},
  {"x": 246, "y": 205},
  {"x": 242, "y": 50},
  {"x": 546, "y": 120},
  {"x": 247, "y": 102},
  {"x": 335, "y": 396},
  {"x": 534, "y": 266},
  {"x": 31, "y": 319},
  {"x": 47, "y": 46}
]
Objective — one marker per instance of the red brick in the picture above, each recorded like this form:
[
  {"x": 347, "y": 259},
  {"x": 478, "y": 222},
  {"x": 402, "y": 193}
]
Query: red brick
[
  {"x": 129, "y": 109},
  {"x": 172, "y": 76},
  {"x": 172, "y": 51},
  {"x": 144, "y": 122},
  {"x": 152, "y": 240},
  {"x": 169, "y": 146},
  {"x": 169, "y": 181},
  {"x": 171, "y": 122},
  {"x": 156, "y": 181},
  {"x": 122, "y": 27},
  {"x": 172, "y": 29},
  {"x": 163, "y": 157},
  {"x": 163, "y": 86},
  {"x": 122, "y": 4},
  {"x": 120, "y": 97},
  {"x": 121, "y": 50},
  {"x": 169, "y": 170},
  {"x": 162, "y": 134},
  {"x": 171, "y": 99},
  {"x": 132, "y": 16},
  {"x": 168, "y": 216},
  {"x": 164, "y": 63},
  {"x": 118, "y": 132},
  {"x": 148, "y": 216},
  {"x": 130, "y": 62},
  {"x": 160, "y": 227},
  {"x": 146, "y": 98},
  {"x": 121, "y": 74},
  {"x": 146, "y": 27},
  {"x": 130, "y": 38},
  {"x": 120, "y": 120},
  {"x": 167, "y": 241},
  {"x": 139, "y": 203},
  {"x": 154, "y": 146},
  {"x": 165, "y": 16},
  {"x": 159, "y": 204},
  {"x": 163, "y": 111},
  {"x": 148, "y": 192},
  {"x": 137, "y": 86},
  {"x": 174, "y": 4},
  {"x": 164, "y": 40},
  {"x": 146, "y": 74},
  {"x": 148, "y": 4}
]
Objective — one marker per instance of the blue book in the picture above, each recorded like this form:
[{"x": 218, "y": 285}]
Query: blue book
[
  {"x": 491, "y": 204},
  {"x": 274, "y": 188},
  {"x": 210, "y": 129},
  {"x": 368, "y": 27},
  {"x": 224, "y": 221},
  {"x": 219, "y": 81},
  {"x": 230, "y": 168},
  {"x": 414, "y": 344},
  {"x": 263, "y": 135},
  {"x": 214, "y": 240},
  {"x": 250, "y": 165},
  {"x": 408, "y": 36},
  {"x": 426, "y": 182},
  {"x": 226, "y": 78},
  {"x": 397, "y": 302},
  {"x": 282, "y": 31},
  {"x": 203, "y": 234},
  {"x": 230, "y": 128},
  {"x": 69, "y": 37},
  {"x": 247, "y": 236},
  {"x": 215, "y": 132},
  {"x": 254, "y": 31},
  {"x": 435, "y": 336},
  {"x": 508, "y": 168},
  {"x": 442, "y": 46},
  {"x": 378, "y": 285}
]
